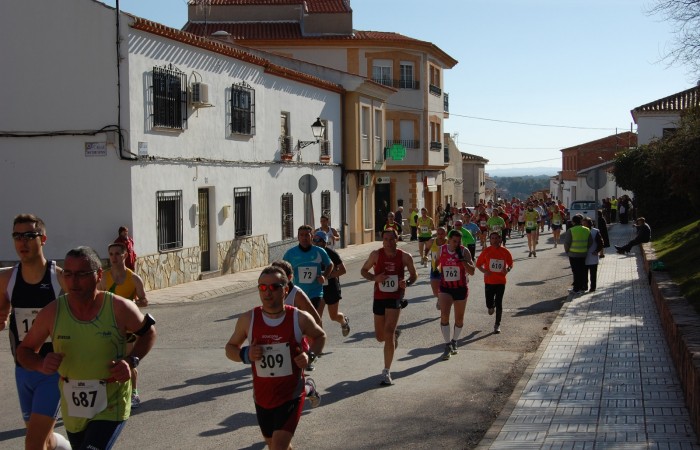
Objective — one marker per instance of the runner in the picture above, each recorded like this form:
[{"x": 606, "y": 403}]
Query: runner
[
  {"x": 495, "y": 262},
  {"x": 425, "y": 226},
  {"x": 31, "y": 285},
  {"x": 389, "y": 265},
  {"x": 455, "y": 263},
  {"x": 532, "y": 219},
  {"x": 481, "y": 218},
  {"x": 274, "y": 332},
  {"x": 331, "y": 290},
  {"x": 433, "y": 247},
  {"x": 556, "y": 220},
  {"x": 89, "y": 329},
  {"x": 311, "y": 265}
]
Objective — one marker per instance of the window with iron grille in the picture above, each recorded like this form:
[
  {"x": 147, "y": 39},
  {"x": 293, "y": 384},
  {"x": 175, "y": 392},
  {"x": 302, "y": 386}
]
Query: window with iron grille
[
  {"x": 243, "y": 216},
  {"x": 169, "y": 219},
  {"x": 169, "y": 98},
  {"x": 287, "y": 216},
  {"x": 242, "y": 109},
  {"x": 326, "y": 204}
]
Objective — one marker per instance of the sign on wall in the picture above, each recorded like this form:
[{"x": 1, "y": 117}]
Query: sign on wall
[{"x": 95, "y": 149}]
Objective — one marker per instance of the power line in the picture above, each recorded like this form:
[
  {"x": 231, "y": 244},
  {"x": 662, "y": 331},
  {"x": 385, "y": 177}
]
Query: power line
[
  {"x": 526, "y": 162},
  {"x": 509, "y": 148}
]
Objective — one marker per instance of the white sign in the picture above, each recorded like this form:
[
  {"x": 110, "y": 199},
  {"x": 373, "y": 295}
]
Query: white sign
[
  {"x": 95, "y": 149},
  {"x": 143, "y": 149}
]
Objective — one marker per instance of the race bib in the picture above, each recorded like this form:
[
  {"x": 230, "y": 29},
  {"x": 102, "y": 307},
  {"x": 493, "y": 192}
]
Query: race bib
[
  {"x": 307, "y": 274},
  {"x": 276, "y": 361},
  {"x": 391, "y": 284},
  {"x": 556, "y": 222},
  {"x": 496, "y": 229},
  {"x": 451, "y": 273},
  {"x": 424, "y": 230},
  {"x": 24, "y": 317},
  {"x": 530, "y": 224},
  {"x": 85, "y": 398},
  {"x": 496, "y": 265}
]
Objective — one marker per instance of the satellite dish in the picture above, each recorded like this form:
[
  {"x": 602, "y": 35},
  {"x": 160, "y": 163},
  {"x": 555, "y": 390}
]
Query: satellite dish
[
  {"x": 596, "y": 179},
  {"x": 308, "y": 184}
]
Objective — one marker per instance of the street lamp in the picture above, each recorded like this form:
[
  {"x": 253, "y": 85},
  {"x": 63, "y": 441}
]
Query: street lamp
[{"x": 317, "y": 129}]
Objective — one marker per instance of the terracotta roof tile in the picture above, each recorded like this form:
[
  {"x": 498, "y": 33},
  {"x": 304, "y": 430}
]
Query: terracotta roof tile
[
  {"x": 620, "y": 140},
  {"x": 676, "y": 102},
  {"x": 223, "y": 49},
  {"x": 312, "y": 6}
]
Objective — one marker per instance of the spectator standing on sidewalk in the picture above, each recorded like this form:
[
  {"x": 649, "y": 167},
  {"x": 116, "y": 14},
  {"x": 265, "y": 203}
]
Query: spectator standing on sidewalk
[
  {"x": 603, "y": 227},
  {"x": 399, "y": 220},
  {"x": 594, "y": 253},
  {"x": 577, "y": 243},
  {"x": 388, "y": 265},
  {"x": 128, "y": 243}
]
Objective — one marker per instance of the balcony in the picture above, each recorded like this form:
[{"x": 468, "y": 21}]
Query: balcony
[
  {"x": 398, "y": 84},
  {"x": 435, "y": 145},
  {"x": 325, "y": 150},
  {"x": 435, "y": 90},
  {"x": 446, "y": 102},
  {"x": 286, "y": 147},
  {"x": 447, "y": 153},
  {"x": 408, "y": 143}
]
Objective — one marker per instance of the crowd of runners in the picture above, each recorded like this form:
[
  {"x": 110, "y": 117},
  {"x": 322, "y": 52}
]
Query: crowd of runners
[{"x": 92, "y": 382}]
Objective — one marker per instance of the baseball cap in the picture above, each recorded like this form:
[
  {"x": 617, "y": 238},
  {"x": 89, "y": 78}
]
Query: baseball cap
[{"x": 321, "y": 236}]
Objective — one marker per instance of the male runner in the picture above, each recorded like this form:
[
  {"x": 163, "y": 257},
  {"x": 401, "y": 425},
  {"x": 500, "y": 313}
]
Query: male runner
[
  {"x": 425, "y": 226},
  {"x": 311, "y": 265},
  {"x": 331, "y": 290},
  {"x": 495, "y": 262},
  {"x": 89, "y": 330},
  {"x": 389, "y": 265},
  {"x": 433, "y": 247},
  {"x": 274, "y": 332},
  {"x": 532, "y": 219},
  {"x": 31, "y": 285}
]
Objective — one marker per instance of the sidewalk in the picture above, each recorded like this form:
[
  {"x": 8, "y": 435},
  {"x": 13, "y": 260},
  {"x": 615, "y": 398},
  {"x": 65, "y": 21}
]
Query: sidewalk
[
  {"x": 603, "y": 377},
  {"x": 239, "y": 281}
]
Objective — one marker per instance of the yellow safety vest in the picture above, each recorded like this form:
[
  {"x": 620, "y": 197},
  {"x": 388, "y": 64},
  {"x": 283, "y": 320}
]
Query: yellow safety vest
[{"x": 579, "y": 239}]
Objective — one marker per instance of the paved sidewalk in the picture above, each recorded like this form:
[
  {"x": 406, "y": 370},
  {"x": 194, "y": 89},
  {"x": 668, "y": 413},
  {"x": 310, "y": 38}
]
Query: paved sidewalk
[
  {"x": 239, "y": 281},
  {"x": 603, "y": 378}
]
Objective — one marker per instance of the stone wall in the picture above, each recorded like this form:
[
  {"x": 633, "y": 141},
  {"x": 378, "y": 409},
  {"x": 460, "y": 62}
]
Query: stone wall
[
  {"x": 681, "y": 324},
  {"x": 168, "y": 269},
  {"x": 245, "y": 253},
  {"x": 279, "y": 248}
]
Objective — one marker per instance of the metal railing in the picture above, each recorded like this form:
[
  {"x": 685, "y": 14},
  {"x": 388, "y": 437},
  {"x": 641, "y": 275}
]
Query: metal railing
[
  {"x": 399, "y": 84},
  {"x": 408, "y": 143},
  {"x": 435, "y": 90}
]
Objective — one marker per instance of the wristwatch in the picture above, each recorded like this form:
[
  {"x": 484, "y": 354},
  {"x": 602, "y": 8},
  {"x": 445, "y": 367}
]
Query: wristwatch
[{"x": 133, "y": 361}]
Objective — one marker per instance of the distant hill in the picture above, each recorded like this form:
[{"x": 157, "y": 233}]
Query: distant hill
[
  {"x": 521, "y": 187},
  {"x": 519, "y": 172}
]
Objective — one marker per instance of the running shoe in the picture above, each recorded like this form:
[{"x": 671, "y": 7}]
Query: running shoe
[
  {"x": 491, "y": 311},
  {"x": 497, "y": 329},
  {"x": 135, "y": 400},
  {"x": 386, "y": 378},
  {"x": 447, "y": 353},
  {"x": 346, "y": 326},
  {"x": 453, "y": 346},
  {"x": 312, "y": 394},
  {"x": 397, "y": 334}
]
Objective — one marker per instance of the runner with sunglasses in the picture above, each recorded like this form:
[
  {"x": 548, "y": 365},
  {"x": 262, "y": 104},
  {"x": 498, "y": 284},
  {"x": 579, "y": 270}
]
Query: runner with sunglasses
[
  {"x": 31, "y": 285},
  {"x": 274, "y": 333}
]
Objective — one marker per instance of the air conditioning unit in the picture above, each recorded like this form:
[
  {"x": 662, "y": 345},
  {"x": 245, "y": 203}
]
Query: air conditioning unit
[
  {"x": 200, "y": 94},
  {"x": 383, "y": 180},
  {"x": 365, "y": 179}
]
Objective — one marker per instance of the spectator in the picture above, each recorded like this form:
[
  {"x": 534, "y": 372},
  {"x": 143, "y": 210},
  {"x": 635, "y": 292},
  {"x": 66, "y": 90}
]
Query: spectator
[
  {"x": 643, "y": 235},
  {"x": 126, "y": 240}
]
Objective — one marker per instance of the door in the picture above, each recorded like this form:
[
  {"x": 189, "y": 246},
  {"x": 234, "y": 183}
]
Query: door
[
  {"x": 204, "y": 229},
  {"x": 382, "y": 202}
]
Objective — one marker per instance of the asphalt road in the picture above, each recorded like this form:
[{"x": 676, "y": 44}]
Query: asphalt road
[{"x": 193, "y": 397}]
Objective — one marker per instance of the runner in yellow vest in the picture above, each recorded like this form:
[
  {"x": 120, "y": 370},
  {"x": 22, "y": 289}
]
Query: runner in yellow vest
[{"x": 425, "y": 226}]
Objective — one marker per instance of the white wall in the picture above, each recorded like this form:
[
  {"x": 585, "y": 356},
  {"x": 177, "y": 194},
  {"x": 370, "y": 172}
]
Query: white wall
[{"x": 650, "y": 126}]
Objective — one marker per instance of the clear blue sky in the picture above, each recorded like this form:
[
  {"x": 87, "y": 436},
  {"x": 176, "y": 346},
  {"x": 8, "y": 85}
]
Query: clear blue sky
[{"x": 572, "y": 65}]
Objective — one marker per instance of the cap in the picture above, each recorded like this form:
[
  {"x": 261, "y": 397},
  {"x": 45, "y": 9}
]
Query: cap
[{"x": 321, "y": 235}]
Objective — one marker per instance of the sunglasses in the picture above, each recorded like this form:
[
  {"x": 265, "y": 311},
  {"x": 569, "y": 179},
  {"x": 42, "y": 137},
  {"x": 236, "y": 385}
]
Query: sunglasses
[
  {"x": 274, "y": 287},
  {"x": 26, "y": 236},
  {"x": 67, "y": 274},
  {"x": 319, "y": 240}
]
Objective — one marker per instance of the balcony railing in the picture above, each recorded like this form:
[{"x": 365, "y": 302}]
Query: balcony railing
[
  {"x": 399, "y": 84},
  {"x": 446, "y": 102},
  {"x": 435, "y": 90},
  {"x": 446, "y": 148},
  {"x": 408, "y": 143},
  {"x": 435, "y": 145},
  {"x": 325, "y": 148}
]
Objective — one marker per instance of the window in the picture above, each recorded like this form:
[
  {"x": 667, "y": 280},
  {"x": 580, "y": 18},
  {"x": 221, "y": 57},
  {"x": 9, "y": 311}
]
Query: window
[
  {"x": 364, "y": 133},
  {"x": 381, "y": 72},
  {"x": 378, "y": 147},
  {"x": 242, "y": 213},
  {"x": 434, "y": 87},
  {"x": 242, "y": 109},
  {"x": 326, "y": 204},
  {"x": 668, "y": 132},
  {"x": 169, "y": 220},
  {"x": 169, "y": 99},
  {"x": 287, "y": 216},
  {"x": 407, "y": 81}
]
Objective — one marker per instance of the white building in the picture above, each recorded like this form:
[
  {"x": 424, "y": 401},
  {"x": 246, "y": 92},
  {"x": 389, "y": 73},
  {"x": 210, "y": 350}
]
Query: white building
[
  {"x": 173, "y": 135},
  {"x": 655, "y": 120}
]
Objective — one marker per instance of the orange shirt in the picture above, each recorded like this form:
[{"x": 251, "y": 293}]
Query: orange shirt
[{"x": 494, "y": 259}]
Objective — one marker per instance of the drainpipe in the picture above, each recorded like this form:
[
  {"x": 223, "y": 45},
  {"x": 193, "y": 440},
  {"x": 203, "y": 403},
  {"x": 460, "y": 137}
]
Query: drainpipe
[{"x": 131, "y": 156}]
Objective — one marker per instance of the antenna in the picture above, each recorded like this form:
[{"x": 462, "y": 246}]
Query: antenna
[{"x": 203, "y": 9}]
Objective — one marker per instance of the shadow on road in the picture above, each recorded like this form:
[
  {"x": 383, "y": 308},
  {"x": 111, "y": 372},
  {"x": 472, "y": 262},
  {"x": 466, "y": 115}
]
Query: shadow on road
[{"x": 233, "y": 423}]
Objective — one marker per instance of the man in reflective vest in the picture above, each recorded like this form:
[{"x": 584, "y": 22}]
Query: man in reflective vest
[{"x": 577, "y": 242}]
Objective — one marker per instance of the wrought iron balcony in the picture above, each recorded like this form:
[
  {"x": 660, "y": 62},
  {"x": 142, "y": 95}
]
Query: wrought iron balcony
[
  {"x": 408, "y": 143},
  {"x": 435, "y": 90},
  {"x": 399, "y": 84},
  {"x": 435, "y": 145},
  {"x": 446, "y": 102}
]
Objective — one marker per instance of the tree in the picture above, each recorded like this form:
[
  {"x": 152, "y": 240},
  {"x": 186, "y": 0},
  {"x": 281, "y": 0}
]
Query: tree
[
  {"x": 664, "y": 173},
  {"x": 685, "y": 15}
]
